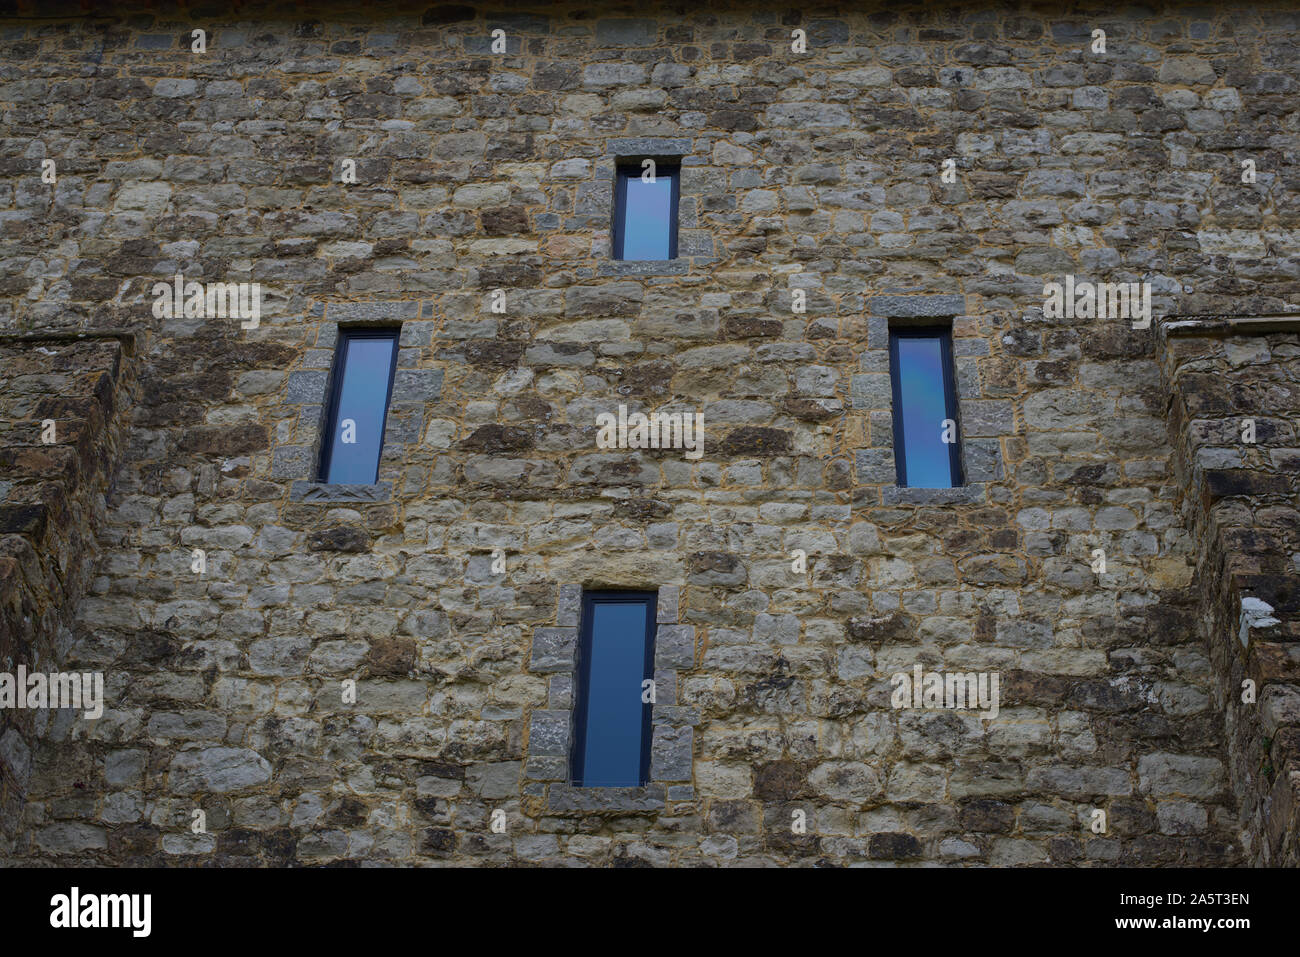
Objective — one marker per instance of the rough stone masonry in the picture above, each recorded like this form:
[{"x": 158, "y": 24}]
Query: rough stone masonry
[{"x": 388, "y": 167}]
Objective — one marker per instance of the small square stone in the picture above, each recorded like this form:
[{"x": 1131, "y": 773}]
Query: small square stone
[
  {"x": 554, "y": 649},
  {"x": 307, "y": 387},
  {"x": 675, "y": 646},
  {"x": 548, "y": 734}
]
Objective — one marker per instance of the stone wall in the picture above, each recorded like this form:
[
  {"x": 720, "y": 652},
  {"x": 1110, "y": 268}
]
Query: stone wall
[
  {"x": 476, "y": 171},
  {"x": 60, "y": 416},
  {"x": 1235, "y": 402}
]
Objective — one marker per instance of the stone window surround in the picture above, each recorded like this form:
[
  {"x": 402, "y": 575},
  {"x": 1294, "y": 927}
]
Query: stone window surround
[
  {"x": 309, "y": 388},
  {"x": 551, "y": 729},
  {"x": 667, "y": 150},
  {"x": 888, "y": 312}
]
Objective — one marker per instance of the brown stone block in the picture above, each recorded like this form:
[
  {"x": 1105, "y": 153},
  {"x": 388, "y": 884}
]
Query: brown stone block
[
  {"x": 1032, "y": 688},
  {"x": 1252, "y": 541},
  {"x": 809, "y": 410},
  {"x": 499, "y": 438},
  {"x": 747, "y": 327},
  {"x": 755, "y": 440},
  {"x": 28, "y": 519},
  {"x": 1207, "y": 395},
  {"x": 893, "y": 846},
  {"x": 782, "y": 780},
  {"x": 1273, "y": 661},
  {"x": 10, "y": 575},
  {"x": 46, "y": 461},
  {"x": 438, "y": 842},
  {"x": 1282, "y": 591},
  {"x": 1222, "y": 483},
  {"x": 505, "y": 221},
  {"x": 224, "y": 440},
  {"x": 237, "y": 354},
  {"x": 163, "y": 391},
  {"x": 1116, "y": 341},
  {"x": 391, "y": 656},
  {"x": 493, "y": 353},
  {"x": 987, "y": 816},
  {"x": 68, "y": 407},
  {"x": 134, "y": 841}
]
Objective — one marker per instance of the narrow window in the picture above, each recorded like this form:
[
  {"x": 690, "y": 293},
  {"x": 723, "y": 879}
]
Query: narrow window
[
  {"x": 927, "y": 449},
  {"x": 645, "y": 213},
  {"x": 612, "y": 719},
  {"x": 354, "y": 428}
]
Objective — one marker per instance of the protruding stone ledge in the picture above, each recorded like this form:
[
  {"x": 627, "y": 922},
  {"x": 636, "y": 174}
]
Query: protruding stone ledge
[
  {"x": 1215, "y": 368},
  {"x": 1172, "y": 326},
  {"x": 53, "y": 491},
  {"x": 326, "y": 493},
  {"x": 637, "y": 267},
  {"x": 973, "y": 494},
  {"x": 125, "y": 337},
  {"x": 566, "y": 797}
]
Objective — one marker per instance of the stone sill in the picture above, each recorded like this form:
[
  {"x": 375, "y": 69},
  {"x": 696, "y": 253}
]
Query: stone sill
[
  {"x": 644, "y": 267},
  {"x": 326, "y": 493},
  {"x": 972, "y": 494},
  {"x": 1228, "y": 325},
  {"x": 570, "y": 797}
]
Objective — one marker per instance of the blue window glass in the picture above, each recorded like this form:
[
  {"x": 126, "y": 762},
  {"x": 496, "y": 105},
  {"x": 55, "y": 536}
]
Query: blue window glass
[
  {"x": 612, "y": 723},
  {"x": 925, "y": 408},
  {"x": 645, "y": 214},
  {"x": 363, "y": 382}
]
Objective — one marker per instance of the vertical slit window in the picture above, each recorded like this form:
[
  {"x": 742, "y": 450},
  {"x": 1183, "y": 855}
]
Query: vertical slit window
[
  {"x": 362, "y": 385},
  {"x": 645, "y": 213},
  {"x": 927, "y": 449},
  {"x": 612, "y": 719}
]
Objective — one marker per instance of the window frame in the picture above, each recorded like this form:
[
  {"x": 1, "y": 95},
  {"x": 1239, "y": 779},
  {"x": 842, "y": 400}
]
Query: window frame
[
  {"x": 625, "y": 170},
  {"x": 338, "y": 367},
  {"x": 951, "y": 405},
  {"x": 582, "y": 675}
]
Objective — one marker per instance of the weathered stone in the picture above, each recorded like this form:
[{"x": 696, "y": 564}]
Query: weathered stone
[
  {"x": 221, "y": 770},
  {"x": 795, "y": 576},
  {"x": 1164, "y": 775},
  {"x": 914, "y": 306},
  {"x": 554, "y": 649},
  {"x": 340, "y": 538}
]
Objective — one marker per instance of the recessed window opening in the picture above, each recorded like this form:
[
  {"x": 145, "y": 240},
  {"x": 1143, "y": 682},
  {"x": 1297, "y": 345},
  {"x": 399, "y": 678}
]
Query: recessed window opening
[
  {"x": 646, "y": 197},
  {"x": 927, "y": 445},
  {"x": 364, "y": 364},
  {"x": 612, "y": 717}
]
